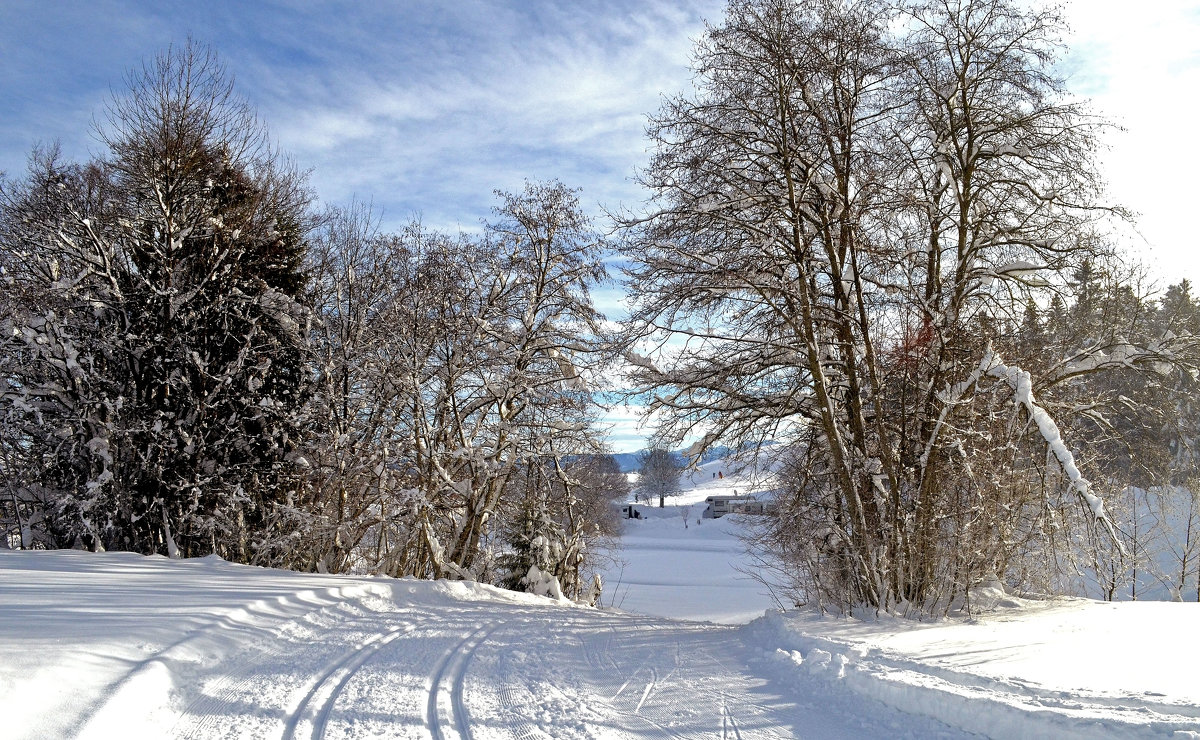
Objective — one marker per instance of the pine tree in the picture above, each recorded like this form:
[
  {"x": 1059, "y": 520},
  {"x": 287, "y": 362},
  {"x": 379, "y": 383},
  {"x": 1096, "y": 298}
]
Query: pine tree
[{"x": 162, "y": 327}]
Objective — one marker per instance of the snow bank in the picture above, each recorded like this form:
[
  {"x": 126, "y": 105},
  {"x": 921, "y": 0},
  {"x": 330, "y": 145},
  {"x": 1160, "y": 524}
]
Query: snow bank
[
  {"x": 1059, "y": 669},
  {"x": 92, "y": 644}
]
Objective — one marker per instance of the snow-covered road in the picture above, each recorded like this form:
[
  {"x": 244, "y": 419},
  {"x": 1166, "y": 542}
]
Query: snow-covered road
[
  {"x": 205, "y": 649},
  {"x": 423, "y": 665},
  {"x": 115, "y": 645}
]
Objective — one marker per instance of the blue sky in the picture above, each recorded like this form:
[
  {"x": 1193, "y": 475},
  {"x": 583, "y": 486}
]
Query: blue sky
[{"x": 424, "y": 108}]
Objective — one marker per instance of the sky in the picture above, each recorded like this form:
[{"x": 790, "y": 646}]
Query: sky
[{"x": 425, "y": 108}]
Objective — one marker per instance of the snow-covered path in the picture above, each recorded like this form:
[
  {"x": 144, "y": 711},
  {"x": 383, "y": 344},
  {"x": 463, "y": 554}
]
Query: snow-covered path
[
  {"x": 116, "y": 645},
  {"x": 205, "y": 649},
  {"x": 486, "y": 670}
]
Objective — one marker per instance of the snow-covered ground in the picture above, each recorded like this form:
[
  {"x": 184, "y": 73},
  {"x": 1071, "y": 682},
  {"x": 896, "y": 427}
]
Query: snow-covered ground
[
  {"x": 121, "y": 646},
  {"x": 696, "y": 570}
]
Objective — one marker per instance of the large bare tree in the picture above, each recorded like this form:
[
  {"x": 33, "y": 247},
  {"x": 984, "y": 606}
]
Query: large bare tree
[{"x": 849, "y": 217}]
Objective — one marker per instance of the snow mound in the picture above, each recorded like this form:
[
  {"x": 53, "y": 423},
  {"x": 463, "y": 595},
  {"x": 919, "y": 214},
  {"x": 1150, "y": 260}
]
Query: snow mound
[{"x": 1030, "y": 669}]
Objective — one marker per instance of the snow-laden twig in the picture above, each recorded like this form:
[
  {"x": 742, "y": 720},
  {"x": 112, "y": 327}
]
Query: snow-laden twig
[
  {"x": 951, "y": 397},
  {"x": 1022, "y": 384}
]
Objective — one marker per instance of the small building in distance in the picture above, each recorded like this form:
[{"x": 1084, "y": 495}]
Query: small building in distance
[{"x": 719, "y": 506}]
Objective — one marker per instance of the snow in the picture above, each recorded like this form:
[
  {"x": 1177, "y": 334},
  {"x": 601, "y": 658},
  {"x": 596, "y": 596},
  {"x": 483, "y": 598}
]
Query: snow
[
  {"x": 695, "y": 572},
  {"x": 99, "y": 645},
  {"x": 1018, "y": 268},
  {"x": 1022, "y": 386},
  {"x": 666, "y": 570},
  {"x": 1062, "y": 668}
]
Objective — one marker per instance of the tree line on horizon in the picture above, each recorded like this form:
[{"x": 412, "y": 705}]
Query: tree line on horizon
[{"x": 876, "y": 234}]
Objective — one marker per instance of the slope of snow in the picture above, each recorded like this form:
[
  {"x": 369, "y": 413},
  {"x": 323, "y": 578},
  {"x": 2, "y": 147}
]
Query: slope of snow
[
  {"x": 697, "y": 570},
  {"x": 1068, "y": 668},
  {"x": 1022, "y": 668},
  {"x": 118, "y": 645},
  {"x": 667, "y": 570}
]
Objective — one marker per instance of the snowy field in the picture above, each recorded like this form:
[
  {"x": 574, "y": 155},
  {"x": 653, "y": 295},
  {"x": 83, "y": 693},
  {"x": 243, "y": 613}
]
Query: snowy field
[
  {"x": 122, "y": 646},
  {"x": 667, "y": 569}
]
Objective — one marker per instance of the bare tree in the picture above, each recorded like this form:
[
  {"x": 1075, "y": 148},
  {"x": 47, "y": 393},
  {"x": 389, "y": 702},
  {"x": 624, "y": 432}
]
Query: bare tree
[
  {"x": 658, "y": 474},
  {"x": 451, "y": 378},
  {"x": 850, "y": 216}
]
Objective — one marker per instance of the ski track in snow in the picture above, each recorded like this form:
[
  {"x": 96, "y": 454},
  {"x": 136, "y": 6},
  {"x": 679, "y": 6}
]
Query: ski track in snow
[
  {"x": 262, "y": 628},
  {"x": 446, "y": 711},
  {"x": 465, "y": 671},
  {"x": 327, "y": 646},
  {"x": 398, "y": 659},
  {"x": 729, "y": 724},
  {"x": 317, "y": 704},
  {"x": 120, "y": 646}
]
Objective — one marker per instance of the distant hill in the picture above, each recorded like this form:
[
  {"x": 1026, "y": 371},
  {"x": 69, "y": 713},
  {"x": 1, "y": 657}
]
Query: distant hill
[
  {"x": 630, "y": 462},
  {"x": 627, "y": 461}
]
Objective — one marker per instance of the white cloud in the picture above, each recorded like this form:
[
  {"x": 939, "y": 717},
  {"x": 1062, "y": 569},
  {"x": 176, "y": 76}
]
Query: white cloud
[
  {"x": 626, "y": 432},
  {"x": 544, "y": 93}
]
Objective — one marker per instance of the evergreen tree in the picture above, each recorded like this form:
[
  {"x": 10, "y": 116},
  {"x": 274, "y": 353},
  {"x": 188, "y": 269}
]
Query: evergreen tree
[{"x": 165, "y": 364}]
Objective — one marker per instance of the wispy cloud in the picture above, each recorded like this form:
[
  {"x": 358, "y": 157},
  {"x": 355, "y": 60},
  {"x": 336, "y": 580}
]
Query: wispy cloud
[
  {"x": 422, "y": 107},
  {"x": 442, "y": 104},
  {"x": 425, "y": 107}
]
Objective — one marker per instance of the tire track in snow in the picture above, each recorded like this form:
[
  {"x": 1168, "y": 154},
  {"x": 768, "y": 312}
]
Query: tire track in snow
[
  {"x": 310, "y": 718},
  {"x": 452, "y": 670}
]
